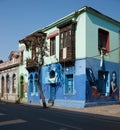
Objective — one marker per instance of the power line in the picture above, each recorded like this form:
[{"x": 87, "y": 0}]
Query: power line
[{"x": 109, "y": 52}]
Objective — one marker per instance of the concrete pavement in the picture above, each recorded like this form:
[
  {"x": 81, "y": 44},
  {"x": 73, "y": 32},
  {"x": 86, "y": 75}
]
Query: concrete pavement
[{"x": 106, "y": 110}]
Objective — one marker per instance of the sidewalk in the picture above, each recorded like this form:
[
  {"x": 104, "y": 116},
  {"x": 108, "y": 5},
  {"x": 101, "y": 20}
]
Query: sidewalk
[{"x": 107, "y": 110}]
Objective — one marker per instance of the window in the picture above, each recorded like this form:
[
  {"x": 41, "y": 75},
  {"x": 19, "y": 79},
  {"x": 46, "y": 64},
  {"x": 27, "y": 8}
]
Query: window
[
  {"x": 65, "y": 36},
  {"x": 52, "y": 46},
  {"x": 2, "y": 86},
  {"x": 69, "y": 84},
  {"x": 14, "y": 83},
  {"x": 103, "y": 41},
  {"x": 21, "y": 58},
  {"x": 7, "y": 84},
  {"x": 52, "y": 74},
  {"x": 31, "y": 83},
  {"x": 22, "y": 86},
  {"x": 35, "y": 83},
  {"x": 61, "y": 40},
  {"x": 67, "y": 41}
]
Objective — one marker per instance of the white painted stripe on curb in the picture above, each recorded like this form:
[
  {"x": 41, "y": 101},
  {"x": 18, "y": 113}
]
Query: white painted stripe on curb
[
  {"x": 10, "y": 122},
  {"x": 1, "y": 114},
  {"x": 61, "y": 124}
]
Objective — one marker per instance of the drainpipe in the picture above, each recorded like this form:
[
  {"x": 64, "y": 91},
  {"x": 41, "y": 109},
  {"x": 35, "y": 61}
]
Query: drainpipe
[{"x": 101, "y": 60}]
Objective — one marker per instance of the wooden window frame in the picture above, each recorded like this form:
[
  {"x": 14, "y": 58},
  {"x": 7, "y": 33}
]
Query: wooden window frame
[
  {"x": 67, "y": 42},
  {"x": 65, "y": 37},
  {"x": 103, "y": 41},
  {"x": 52, "y": 46}
]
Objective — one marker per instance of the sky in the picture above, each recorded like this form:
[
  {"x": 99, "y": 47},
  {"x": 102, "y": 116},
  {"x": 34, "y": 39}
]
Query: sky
[{"x": 19, "y": 18}]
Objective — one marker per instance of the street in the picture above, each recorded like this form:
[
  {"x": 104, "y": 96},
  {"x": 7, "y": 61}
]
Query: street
[{"x": 22, "y": 116}]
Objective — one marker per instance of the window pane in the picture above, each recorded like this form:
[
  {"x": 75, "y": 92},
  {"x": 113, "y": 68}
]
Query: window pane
[
  {"x": 103, "y": 40},
  {"x": 31, "y": 83},
  {"x": 52, "y": 46},
  {"x": 69, "y": 84},
  {"x": 61, "y": 40},
  {"x": 65, "y": 39},
  {"x": 69, "y": 37}
]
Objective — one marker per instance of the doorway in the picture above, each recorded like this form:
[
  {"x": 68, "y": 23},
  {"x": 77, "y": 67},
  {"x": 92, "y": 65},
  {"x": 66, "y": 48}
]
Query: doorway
[
  {"x": 2, "y": 88},
  {"x": 103, "y": 83},
  {"x": 52, "y": 92},
  {"x": 21, "y": 87}
]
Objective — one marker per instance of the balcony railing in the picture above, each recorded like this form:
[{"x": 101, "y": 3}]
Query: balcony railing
[{"x": 31, "y": 65}]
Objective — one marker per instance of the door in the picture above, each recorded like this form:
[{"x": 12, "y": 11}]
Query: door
[
  {"x": 52, "y": 92},
  {"x": 103, "y": 80},
  {"x": 2, "y": 89}
]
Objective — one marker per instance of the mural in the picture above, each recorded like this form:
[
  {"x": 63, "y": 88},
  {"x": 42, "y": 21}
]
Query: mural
[
  {"x": 61, "y": 84},
  {"x": 55, "y": 74},
  {"x": 102, "y": 88},
  {"x": 55, "y": 79},
  {"x": 51, "y": 81},
  {"x": 113, "y": 86},
  {"x": 93, "y": 90}
]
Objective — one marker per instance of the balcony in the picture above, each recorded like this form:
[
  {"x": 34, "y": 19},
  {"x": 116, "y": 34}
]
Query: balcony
[{"x": 31, "y": 65}]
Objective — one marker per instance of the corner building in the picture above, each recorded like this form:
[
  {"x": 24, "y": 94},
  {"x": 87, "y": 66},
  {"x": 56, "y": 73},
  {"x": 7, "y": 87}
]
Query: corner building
[{"x": 82, "y": 63}]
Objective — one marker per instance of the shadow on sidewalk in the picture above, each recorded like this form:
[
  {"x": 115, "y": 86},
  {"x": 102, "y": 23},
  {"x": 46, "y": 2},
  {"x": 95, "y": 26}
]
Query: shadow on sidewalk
[{"x": 94, "y": 112}]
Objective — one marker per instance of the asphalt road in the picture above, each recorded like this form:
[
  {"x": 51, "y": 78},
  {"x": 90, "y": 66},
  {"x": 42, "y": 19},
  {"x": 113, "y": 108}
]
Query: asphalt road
[{"x": 23, "y": 117}]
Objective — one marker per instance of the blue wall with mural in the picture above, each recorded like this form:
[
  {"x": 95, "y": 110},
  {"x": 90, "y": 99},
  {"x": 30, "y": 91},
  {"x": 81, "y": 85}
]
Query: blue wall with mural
[
  {"x": 102, "y": 85},
  {"x": 77, "y": 85},
  {"x": 62, "y": 85}
]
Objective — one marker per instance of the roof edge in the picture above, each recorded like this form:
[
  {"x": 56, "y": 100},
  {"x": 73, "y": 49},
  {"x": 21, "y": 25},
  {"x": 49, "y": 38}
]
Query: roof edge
[{"x": 75, "y": 14}]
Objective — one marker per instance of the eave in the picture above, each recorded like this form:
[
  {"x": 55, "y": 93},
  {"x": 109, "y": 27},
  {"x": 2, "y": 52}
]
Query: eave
[
  {"x": 69, "y": 17},
  {"x": 101, "y": 15},
  {"x": 76, "y": 14},
  {"x": 32, "y": 35}
]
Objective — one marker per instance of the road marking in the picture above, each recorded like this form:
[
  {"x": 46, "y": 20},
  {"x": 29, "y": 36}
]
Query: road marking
[
  {"x": 1, "y": 114},
  {"x": 58, "y": 123},
  {"x": 10, "y": 122}
]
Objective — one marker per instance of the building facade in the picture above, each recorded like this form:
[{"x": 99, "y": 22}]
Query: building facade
[
  {"x": 9, "y": 77},
  {"x": 23, "y": 74},
  {"x": 81, "y": 64}
]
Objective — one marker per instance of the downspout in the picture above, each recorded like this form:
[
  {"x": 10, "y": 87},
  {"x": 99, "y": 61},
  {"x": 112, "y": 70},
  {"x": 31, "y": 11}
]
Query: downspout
[{"x": 101, "y": 59}]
